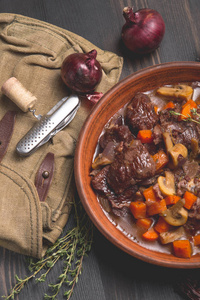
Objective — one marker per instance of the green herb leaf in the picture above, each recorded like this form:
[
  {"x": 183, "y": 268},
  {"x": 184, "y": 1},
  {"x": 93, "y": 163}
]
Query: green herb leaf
[{"x": 187, "y": 118}]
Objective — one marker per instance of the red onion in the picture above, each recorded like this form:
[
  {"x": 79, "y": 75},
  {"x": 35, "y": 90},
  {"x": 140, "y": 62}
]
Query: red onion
[
  {"x": 143, "y": 31},
  {"x": 81, "y": 72}
]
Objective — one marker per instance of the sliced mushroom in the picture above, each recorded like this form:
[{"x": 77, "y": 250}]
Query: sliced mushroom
[
  {"x": 173, "y": 235},
  {"x": 176, "y": 215},
  {"x": 177, "y": 152},
  {"x": 168, "y": 141},
  {"x": 167, "y": 184},
  {"x": 195, "y": 148},
  {"x": 180, "y": 91}
]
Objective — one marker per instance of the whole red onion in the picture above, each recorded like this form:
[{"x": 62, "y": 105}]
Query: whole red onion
[
  {"x": 81, "y": 72},
  {"x": 143, "y": 31}
]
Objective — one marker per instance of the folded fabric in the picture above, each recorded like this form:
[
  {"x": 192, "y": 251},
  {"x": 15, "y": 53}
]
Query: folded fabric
[{"x": 33, "y": 51}]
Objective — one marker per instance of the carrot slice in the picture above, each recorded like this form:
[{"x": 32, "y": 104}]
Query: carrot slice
[
  {"x": 138, "y": 209},
  {"x": 161, "y": 159},
  {"x": 169, "y": 105},
  {"x": 149, "y": 194},
  {"x": 196, "y": 240},
  {"x": 145, "y": 136},
  {"x": 155, "y": 207},
  {"x": 182, "y": 248},
  {"x": 161, "y": 225},
  {"x": 172, "y": 199},
  {"x": 191, "y": 103},
  {"x": 150, "y": 235},
  {"x": 186, "y": 109},
  {"x": 190, "y": 198},
  {"x": 156, "y": 109},
  {"x": 144, "y": 223}
]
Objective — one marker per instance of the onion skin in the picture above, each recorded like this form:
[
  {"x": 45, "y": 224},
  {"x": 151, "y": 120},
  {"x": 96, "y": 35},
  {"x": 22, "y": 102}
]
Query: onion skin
[
  {"x": 143, "y": 31},
  {"x": 94, "y": 97},
  {"x": 81, "y": 72}
]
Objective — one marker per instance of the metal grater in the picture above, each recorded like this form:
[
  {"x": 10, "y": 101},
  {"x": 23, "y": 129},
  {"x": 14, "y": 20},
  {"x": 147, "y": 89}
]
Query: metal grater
[{"x": 50, "y": 124}]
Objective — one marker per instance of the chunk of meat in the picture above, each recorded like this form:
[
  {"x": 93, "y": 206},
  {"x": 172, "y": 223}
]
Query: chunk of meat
[
  {"x": 191, "y": 168},
  {"x": 193, "y": 223},
  {"x": 157, "y": 134},
  {"x": 181, "y": 131},
  {"x": 188, "y": 132},
  {"x": 182, "y": 187},
  {"x": 124, "y": 199},
  {"x": 157, "y": 191},
  {"x": 140, "y": 113},
  {"x": 116, "y": 134},
  {"x": 99, "y": 183},
  {"x": 133, "y": 164},
  {"x": 197, "y": 185},
  {"x": 194, "y": 212},
  {"x": 120, "y": 176}
]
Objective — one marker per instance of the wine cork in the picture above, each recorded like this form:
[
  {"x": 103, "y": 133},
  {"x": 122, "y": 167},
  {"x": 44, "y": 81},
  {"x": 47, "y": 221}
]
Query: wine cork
[{"x": 16, "y": 92}]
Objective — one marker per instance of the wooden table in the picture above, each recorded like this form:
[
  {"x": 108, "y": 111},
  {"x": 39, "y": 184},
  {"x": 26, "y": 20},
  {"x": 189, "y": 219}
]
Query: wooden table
[{"x": 108, "y": 273}]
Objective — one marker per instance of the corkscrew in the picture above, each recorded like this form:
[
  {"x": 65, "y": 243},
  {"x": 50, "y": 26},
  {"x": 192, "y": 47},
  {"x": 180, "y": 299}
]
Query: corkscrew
[{"x": 48, "y": 125}]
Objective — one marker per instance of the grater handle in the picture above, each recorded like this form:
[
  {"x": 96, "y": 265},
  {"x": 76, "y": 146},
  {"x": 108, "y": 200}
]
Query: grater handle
[{"x": 14, "y": 90}]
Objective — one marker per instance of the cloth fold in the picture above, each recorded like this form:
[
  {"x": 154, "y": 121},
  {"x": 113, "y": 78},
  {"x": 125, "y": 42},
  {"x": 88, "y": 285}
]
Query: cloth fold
[{"x": 33, "y": 51}]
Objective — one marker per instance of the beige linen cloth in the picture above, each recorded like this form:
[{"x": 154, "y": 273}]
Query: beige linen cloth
[{"x": 33, "y": 51}]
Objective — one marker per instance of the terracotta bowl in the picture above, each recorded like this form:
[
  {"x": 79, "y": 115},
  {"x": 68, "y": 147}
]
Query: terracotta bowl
[{"x": 144, "y": 80}]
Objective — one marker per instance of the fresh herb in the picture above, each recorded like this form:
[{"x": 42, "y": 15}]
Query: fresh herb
[
  {"x": 72, "y": 248},
  {"x": 187, "y": 118}
]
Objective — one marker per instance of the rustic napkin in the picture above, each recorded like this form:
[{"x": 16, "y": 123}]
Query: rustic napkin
[{"x": 33, "y": 51}]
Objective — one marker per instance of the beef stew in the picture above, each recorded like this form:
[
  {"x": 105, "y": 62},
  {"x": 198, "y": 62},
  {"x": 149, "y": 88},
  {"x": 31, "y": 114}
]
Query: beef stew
[{"x": 146, "y": 169}]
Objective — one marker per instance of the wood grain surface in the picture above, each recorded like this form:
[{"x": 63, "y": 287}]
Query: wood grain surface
[{"x": 108, "y": 273}]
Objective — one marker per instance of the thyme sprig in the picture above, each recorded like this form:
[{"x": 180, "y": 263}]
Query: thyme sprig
[
  {"x": 71, "y": 248},
  {"x": 187, "y": 118}
]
